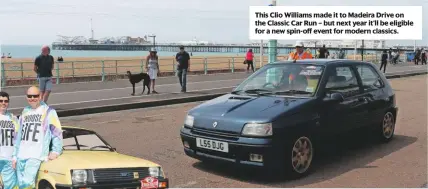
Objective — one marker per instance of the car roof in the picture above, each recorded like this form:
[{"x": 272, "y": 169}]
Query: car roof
[{"x": 321, "y": 62}]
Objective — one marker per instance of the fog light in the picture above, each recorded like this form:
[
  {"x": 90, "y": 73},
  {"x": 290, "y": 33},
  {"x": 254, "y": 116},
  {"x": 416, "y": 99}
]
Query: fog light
[
  {"x": 256, "y": 157},
  {"x": 186, "y": 144}
]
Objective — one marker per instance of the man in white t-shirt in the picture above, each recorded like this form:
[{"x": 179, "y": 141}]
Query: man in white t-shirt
[
  {"x": 39, "y": 127},
  {"x": 8, "y": 128}
]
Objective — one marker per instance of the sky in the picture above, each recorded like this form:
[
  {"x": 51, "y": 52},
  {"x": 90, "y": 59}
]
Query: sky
[{"x": 36, "y": 22}]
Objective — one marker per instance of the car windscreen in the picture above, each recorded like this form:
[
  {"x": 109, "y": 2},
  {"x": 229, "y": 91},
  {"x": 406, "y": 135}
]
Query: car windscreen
[
  {"x": 283, "y": 79},
  {"x": 79, "y": 139}
]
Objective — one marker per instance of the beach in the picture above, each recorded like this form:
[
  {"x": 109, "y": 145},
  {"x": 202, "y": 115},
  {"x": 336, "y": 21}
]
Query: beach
[{"x": 21, "y": 68}]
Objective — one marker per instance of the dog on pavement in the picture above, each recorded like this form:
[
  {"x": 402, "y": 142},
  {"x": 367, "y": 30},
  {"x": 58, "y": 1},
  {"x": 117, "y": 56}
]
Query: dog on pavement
[{"x": 136, "y": 78}]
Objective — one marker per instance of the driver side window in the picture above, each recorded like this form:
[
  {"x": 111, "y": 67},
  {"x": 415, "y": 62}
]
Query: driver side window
[
  {"x": 342, "y": 80},
  {"x": 266, "y": 79}
]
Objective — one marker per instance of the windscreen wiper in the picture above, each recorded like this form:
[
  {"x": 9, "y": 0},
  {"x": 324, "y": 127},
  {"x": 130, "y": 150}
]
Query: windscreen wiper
[
  {"x": 291, "y": 92},
  {"x": 254, "y": 91}
]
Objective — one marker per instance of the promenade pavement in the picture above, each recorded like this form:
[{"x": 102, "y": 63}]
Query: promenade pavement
[
  {"x": 99, "y": 94},
  {"x": 355, "y": 161}
]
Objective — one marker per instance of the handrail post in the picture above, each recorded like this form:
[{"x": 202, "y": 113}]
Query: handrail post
[
  {"x": 229, "y": 64},
  {"x": 22, "y": 71},
  {"x": 174, "y": 69},
  {"x": 116, "y": 68},
  {"x": 102, "y": 71},
  {"x": 3, "y": 76},
  {"x": 205, "y": 66},
  {"x": 72, "y": 69},
  {"x": 57, "y": 72},
  {"x": 233, "y": 64}
]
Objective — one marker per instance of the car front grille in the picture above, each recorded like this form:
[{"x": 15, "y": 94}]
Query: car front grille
[
  {"x": 215, "y": 133},
  {"x": 120, "y": 174}
]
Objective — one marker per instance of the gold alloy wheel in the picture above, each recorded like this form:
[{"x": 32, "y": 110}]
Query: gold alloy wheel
[
  {"x": 301, "y": 156},
  {"x": 388, "y": 125}
]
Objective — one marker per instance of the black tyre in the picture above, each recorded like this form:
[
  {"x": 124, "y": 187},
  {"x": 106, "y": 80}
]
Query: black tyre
[{"x": 45, "y": 185}]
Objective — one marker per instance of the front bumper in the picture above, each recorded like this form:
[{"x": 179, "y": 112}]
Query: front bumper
[
  {"x": 239, "y": 150},
  {"x": 130, "y": 185}
]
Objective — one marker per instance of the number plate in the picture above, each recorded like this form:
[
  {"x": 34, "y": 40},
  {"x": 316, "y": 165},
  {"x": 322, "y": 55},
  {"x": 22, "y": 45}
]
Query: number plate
[{"x": 212, "y": 145}]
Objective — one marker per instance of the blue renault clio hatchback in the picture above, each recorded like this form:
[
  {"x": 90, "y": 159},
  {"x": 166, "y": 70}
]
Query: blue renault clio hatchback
[{"x": 276, "y": 116}]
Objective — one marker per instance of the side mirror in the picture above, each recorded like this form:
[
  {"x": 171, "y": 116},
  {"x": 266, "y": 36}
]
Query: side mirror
[{"x": 335, "y": 97}]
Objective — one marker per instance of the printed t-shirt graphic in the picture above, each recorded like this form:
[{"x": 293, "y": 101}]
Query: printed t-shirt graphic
[
  {"x": 8, "y": 128},
  {"x": 38, "y": 127}
]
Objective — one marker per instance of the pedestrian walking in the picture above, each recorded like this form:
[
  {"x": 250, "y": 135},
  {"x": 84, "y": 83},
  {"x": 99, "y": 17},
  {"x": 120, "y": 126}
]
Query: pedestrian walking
[
  {"x": 183, "y": 66},
  {"x": 390, "y": 57},
  {"x": 324, "y": 53},
  {"x": 249, "y": 60},
  {"x": 8, "y": 129},
  {"x": 417, "y": 56},
  {"x": 41, "y": 142},
  {"x": 43, "y": 66},
  {"x": 384, "y": 61},
  {"x": 152, "y": 67},
  {"x": 424, "y": 57}
]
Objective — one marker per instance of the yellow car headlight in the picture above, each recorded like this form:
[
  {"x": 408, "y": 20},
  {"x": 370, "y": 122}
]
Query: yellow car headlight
[
  {"x": 82, "y": 176},
  {"x": 155, "y": 171},
  {"x": 79, "y": 176}
]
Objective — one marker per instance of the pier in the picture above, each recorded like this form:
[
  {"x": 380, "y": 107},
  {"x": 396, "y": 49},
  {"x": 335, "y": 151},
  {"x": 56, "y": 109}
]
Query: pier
[{"x": 220, "y": 48}]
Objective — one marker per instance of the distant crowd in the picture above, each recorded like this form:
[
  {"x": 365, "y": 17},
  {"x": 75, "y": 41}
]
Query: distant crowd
[{"x": 391, "y": 56}]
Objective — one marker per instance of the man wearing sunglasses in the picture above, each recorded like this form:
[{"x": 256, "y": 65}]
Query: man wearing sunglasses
[
  {"x": 39, "y": 127},
  {"x": 8, "y": 127}
]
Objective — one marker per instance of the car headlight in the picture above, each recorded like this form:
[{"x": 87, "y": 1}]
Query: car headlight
[
  {"x": 79, "y": 176},
  {"x": 257, "y": 129},
  {"x": 188, "y": 122},
  {"x": 155, "y": 171}
]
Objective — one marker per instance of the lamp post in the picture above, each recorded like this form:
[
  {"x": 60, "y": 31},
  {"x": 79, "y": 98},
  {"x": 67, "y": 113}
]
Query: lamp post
[
  {"x": 261, "y": 53},
  {"x": 272, "y": 44},
  {"x": 154, "y": 40},
  {"x": 362, "y": 50},
  {"x": 271, "y": 74}
]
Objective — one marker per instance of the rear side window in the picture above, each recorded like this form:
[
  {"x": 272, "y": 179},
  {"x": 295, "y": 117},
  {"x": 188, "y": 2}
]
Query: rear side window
[
  {"x": 342, "y": 80},
  {"x": 370, "y": 78}
]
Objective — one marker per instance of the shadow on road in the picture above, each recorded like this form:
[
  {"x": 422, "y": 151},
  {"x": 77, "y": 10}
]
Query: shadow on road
[{"x": 333, "y": 159}]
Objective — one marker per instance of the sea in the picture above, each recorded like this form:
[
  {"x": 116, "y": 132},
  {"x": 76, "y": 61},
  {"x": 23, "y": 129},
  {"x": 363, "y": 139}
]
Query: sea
[{"x": 31, "y": 51}]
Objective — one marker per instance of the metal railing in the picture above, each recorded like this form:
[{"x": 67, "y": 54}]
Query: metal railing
[{"x": 103, "y": 68}]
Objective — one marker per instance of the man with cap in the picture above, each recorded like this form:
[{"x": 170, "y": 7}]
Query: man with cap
[
  {"x": 183, "y": 60},
  {"x": 300, "y": 53},
  {"x": 43, "y": 66},
  {"x": 39, "y": 128}
]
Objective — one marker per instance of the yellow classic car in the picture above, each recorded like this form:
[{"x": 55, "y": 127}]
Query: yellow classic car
[{"x": 89, "y": 162}]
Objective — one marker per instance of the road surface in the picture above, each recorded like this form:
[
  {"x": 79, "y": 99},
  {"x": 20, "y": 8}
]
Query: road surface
[
  {"x": 83, "y": 95},
  {"x": 355, "y": 161}
]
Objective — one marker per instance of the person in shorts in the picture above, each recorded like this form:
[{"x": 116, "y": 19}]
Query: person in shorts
[{"x": 43, "y": 66}]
